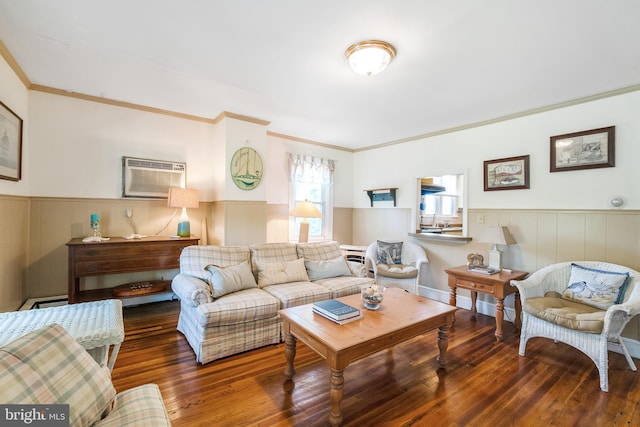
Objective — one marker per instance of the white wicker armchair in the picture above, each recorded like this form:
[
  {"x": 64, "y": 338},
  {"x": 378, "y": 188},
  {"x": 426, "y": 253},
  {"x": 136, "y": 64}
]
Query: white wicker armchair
[
  {"x": 555, "y": 278},
  {"x": 414, "y": 259}
]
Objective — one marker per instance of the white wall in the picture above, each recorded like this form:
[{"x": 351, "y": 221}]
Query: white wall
[
  {"x": 400, "y": 165},
  {"x": 76, "y": 146}
]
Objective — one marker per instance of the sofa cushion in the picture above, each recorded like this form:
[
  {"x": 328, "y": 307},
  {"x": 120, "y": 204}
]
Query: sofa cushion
[
  {"x": 566, "y": 313},
  {"x": 48, "y": 366},
  {"x": 273, "y": 252},
  {"x": 324, "y": 269},
  {"x": 272, "y": 273},
  {"x": 343, "y": 286},
  {"x": 139, "y": 406},
  {"x": 225, "y": 280},
  {"x": 195, "y": 259},
  {"x": 243, "y": 306},
  {"x": 597, "y": 288},
  {"x": 298, "y": 293},
  {"x": 397, "y": 271},
  {"x": 389, "y": 252},
  {"x": 319, "y": 251}
]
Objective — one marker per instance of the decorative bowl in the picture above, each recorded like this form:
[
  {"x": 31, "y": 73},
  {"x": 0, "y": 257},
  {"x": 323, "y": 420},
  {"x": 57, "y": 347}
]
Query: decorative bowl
[{"x": 372, "y": 296}]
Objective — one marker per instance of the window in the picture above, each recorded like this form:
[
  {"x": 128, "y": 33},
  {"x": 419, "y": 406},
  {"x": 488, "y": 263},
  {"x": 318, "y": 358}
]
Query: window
[
  {"x": 443, "y": 204},
  {"x": 311, "y": 179}
]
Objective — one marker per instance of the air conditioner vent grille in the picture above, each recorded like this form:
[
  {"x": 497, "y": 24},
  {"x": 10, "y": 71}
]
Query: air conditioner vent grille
[{"x": 151, "y": 178}]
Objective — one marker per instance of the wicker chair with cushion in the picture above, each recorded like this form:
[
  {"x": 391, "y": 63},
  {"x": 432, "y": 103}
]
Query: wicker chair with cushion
[
  {"x": 396, "y": 264},
  {"x": 585, "y": 304}
]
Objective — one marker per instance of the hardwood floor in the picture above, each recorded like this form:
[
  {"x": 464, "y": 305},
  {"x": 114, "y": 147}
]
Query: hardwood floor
[{"x": 485, "y": 383}]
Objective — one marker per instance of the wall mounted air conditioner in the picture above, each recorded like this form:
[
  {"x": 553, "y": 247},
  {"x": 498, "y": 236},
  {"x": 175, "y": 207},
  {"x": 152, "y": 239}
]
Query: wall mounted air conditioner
[{"x": 151, "y": 178}]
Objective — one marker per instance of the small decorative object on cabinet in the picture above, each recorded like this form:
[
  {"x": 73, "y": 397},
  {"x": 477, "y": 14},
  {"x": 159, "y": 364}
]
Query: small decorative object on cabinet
[{"x": 380, "y": 194}]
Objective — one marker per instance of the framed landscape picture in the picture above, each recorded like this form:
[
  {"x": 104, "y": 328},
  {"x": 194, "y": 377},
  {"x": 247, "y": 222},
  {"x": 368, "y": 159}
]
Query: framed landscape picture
[
  {"x": 588, "y": 149},
  {"x": 10, "y": 144},
  {"x": 511, "y": 173}
]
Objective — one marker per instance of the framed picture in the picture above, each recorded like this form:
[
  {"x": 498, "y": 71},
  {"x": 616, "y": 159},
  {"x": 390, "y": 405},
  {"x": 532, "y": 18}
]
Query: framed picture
[
  {"x": 10, "y": 144},
  {"x": 511, "y": 173},
  {"x": 588, "y": 149}
]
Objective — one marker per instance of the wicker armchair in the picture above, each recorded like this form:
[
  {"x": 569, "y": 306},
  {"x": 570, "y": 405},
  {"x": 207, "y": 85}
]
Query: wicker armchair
[
  {"x": 551, "y": 281},
  {"x": 405, "y": 275}
]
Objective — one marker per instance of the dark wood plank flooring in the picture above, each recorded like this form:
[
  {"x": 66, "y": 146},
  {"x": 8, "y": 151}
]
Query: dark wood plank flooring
[{"x": 485, "y": 383}]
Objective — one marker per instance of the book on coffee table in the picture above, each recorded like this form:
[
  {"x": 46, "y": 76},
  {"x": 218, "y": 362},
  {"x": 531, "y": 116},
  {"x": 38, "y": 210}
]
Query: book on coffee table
[
  {"x": 335, "y": 310},
  {"x": 339, "y": 322}
]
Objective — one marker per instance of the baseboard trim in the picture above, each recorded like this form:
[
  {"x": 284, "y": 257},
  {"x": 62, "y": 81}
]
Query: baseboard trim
[
  {"x": 51, "y": 301},
  {"x": 489, "y": 309}
]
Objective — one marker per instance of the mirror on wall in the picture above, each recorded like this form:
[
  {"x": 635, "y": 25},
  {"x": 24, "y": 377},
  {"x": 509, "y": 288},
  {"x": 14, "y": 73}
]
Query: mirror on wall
[{"x": 442, "y": 205}]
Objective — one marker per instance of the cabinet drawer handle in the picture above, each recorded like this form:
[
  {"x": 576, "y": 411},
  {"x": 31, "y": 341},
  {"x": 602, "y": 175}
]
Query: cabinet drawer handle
[
  {"x": 92, "y": 267},
  {"x": 93, "y": 252}
]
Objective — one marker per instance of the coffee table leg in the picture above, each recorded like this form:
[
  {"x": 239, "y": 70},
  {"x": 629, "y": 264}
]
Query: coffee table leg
[
  {"x": 335, "y": 394},
  {"x": 290, "y": 354},
  {"x": 443, "y": 344},
  {"x": 499, "y": 317}
]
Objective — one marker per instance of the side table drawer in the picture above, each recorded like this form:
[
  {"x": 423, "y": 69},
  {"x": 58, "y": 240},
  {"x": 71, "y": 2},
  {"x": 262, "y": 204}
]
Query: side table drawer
[{"x": 473, "y": 286}]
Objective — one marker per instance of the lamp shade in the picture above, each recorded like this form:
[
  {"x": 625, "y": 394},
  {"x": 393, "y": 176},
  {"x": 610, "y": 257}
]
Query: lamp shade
[
  {"x": 497, "y": 235},
  {"x": 183, "y": 198},
  {"x": 306, "y": 209}
]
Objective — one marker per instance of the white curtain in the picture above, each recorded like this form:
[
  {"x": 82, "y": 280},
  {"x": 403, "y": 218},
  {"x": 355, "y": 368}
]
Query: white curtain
[{"x": 311, "y": 169}]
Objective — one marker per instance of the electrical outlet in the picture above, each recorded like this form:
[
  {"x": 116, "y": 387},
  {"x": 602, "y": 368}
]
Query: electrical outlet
[
  {"x": 129, "y": 213},
  {"x": 481, "y": 219}
]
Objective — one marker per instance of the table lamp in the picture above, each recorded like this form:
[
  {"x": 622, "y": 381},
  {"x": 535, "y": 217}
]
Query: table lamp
[
  {"x": 496, "y": 235},
  {"x": 305, "y": 210},
  {"x": 183, "y": 198}
]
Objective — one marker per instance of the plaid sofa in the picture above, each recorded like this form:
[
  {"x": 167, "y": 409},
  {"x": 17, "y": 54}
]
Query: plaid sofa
[
  {"x": 47, "y": 366},
  {"x": 217, "y": 325}
]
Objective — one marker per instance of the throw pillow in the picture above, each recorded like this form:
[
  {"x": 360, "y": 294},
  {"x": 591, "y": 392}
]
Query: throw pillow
[
  {"x": 389, "y": 252},
  {"x": 273, "y": 273},
  {"x": 597, "y": 288},
  {"x": 49, "y": 366},
  {"x": 225, "y": 280},
  {"x": 324, "y": 269}
]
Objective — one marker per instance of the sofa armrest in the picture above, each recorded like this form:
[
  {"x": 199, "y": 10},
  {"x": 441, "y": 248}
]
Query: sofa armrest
[
  {"x": 138, "y": 406},
  {"x": 358, "y": 269},
  {"x": 191, "y": 289}
]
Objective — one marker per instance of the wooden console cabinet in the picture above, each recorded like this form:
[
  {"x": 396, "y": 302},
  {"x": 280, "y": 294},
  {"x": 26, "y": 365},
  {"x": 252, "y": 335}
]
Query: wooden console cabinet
[{"x": 119, "y": 255}]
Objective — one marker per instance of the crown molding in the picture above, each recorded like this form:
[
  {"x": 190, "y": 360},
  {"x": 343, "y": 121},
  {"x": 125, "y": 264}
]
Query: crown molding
[{"x": 13, "y": 64}]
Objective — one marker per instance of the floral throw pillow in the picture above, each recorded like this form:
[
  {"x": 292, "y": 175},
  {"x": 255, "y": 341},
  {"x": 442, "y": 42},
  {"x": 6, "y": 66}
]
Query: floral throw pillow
[
  {"x": 597, "y": 288},
  {"x": 389, "y": 252}
]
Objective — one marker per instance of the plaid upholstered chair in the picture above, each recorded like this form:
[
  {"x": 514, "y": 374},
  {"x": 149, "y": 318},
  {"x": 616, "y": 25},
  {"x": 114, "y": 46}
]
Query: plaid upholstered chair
[
  {"x": 47, "y": 366},
  {"x": 585, "y": 304}
]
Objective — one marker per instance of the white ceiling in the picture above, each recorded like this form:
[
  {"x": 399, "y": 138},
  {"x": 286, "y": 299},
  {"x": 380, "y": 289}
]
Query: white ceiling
[{"x": 458, "y": 62}]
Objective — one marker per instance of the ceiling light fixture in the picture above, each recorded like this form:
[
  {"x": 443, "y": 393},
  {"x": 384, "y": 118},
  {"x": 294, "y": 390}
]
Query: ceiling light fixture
[{"x": 370, "y": 57}]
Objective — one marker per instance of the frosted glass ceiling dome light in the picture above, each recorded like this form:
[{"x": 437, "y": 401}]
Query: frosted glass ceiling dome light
[{"x": 370, "y": 57}]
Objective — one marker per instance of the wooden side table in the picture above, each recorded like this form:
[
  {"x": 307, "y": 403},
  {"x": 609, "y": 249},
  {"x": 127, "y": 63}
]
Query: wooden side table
[{"x": 498, "y": 285}]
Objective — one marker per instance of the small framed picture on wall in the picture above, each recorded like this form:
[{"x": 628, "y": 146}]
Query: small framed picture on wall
[
  {"x": 588, "y": 149},
  {"x": 511, "y": 173},
  {"x": 10, "y": 144}
]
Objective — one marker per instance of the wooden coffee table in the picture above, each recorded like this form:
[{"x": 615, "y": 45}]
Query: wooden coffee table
[{"x": 402, "y": 316}]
